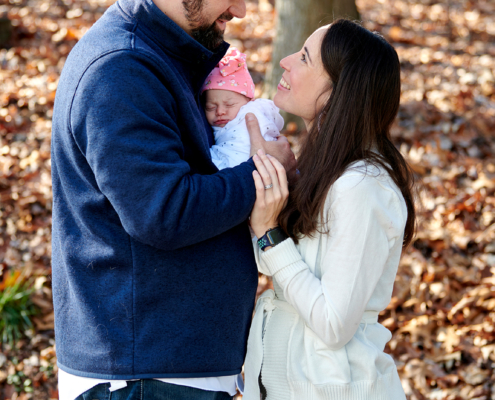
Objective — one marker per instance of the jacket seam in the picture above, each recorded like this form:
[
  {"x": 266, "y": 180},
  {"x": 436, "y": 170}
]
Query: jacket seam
[
  {"x": 144, "y": 53},
  {"x": 157, "y": 375},
  {"x": 132, "y": 46},
  {"x": 133, "y": 36},
  {"x": 69, "y": 124},
  {"x": 133, "y": 307}
]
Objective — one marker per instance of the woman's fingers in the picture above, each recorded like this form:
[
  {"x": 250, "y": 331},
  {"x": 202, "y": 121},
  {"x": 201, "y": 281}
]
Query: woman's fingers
[
  {"x": 278, "y": 193},
  {"x": 269, "y": 202},
  {"x": 270, "y": 177},
  {"x": 282, "y": 176},
  {"x": 262, "y": 168},
  {"x": 269, "y": 167},
  {"x": 260, "y": 188}
]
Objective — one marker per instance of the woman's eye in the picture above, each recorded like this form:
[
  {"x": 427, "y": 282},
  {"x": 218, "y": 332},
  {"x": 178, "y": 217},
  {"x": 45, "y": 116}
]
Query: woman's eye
[{"x": 303, "y": 57}]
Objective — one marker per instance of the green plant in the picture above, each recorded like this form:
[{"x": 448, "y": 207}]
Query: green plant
[
  {"x": 19, "y": 380},
  {"x": 47, "y": 370},
  {"x": 16, "y": 308}
]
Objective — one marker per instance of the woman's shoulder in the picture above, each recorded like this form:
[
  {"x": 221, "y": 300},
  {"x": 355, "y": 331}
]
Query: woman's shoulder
[
  {"x": 363, "y": 190},
  {"x": 365, "y": 182},
  {"x": 363, "y": 175}
]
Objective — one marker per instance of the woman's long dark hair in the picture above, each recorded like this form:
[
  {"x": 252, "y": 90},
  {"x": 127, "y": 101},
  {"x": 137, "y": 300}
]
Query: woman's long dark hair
[{"x": 365, "y": 74}]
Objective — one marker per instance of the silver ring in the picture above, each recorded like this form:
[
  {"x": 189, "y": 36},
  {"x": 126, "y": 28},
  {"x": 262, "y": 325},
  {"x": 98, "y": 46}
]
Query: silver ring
[{"x": 269, "y": 186}]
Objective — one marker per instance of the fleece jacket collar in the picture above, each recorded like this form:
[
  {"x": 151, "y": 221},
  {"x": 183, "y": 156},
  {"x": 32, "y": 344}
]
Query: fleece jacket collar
[{"x": 165, "y": 31}]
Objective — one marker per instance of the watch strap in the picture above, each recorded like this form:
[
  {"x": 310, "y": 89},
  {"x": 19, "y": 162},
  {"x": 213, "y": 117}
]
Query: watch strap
[{"x": 272, "y": 237}]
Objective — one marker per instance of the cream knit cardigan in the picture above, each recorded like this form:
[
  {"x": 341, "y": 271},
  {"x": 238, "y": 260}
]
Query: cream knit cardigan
[{"x": 317, "y": 335}]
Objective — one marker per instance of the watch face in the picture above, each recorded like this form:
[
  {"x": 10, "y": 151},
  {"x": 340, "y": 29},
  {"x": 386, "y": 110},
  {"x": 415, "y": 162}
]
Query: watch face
[{"x": 276, "y": 236}]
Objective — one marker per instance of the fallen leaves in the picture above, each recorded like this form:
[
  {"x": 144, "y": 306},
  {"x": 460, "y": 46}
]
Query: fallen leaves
[
  {"x": 43, "y": 33},
  {"x": 442, "y": 312}
]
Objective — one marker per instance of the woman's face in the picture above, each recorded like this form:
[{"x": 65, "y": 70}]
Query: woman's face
[{"x": 305, "y": 85}]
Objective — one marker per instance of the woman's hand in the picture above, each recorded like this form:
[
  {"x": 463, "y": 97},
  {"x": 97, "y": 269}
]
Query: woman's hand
[
  {"x": 271, "y": 193},
  {"x": 279, "y": 148}
]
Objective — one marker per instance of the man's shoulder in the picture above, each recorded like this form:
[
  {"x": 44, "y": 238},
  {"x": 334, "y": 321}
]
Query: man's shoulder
[
  {"x": 108, "y": 34},
  {"x": 111, "y": 40}
]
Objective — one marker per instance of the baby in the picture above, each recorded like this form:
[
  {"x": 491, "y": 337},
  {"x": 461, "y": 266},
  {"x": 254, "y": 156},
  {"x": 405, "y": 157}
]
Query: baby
[{"x": 229, "y": 97}]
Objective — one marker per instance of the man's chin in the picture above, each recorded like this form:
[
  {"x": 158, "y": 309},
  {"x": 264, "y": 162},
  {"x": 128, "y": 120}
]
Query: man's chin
[{"x": 210, "y": 37}]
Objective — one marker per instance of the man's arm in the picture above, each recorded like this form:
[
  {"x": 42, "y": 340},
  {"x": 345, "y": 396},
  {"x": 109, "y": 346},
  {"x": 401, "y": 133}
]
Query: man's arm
[{"x": 124, "y": 121}]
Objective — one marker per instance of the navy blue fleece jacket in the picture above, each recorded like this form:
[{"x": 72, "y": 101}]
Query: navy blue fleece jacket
[{"x": 153, "y": 270}]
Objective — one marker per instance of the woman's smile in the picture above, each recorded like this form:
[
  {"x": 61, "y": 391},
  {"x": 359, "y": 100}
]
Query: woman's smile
[{"x": 284, "y": 84}]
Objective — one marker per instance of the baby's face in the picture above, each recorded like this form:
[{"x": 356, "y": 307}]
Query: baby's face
[{"x": 222, "y": 106}]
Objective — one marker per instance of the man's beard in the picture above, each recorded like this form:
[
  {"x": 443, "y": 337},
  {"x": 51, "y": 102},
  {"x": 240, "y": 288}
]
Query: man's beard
[{"x": 209, "y": 35}]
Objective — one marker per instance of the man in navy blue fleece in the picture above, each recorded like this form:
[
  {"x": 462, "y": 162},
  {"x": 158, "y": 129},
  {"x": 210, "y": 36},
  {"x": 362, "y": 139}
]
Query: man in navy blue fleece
[{"x": 153, "y": 272}]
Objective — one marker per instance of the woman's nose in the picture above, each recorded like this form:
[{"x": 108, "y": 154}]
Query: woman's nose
[{"x": 284, "y": 63}]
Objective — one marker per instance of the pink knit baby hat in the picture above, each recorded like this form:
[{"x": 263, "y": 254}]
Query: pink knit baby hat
[{"x": 232, "y": 74}]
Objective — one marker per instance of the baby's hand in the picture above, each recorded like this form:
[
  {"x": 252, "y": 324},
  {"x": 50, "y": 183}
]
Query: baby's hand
[{"x": 280, "y": 149}]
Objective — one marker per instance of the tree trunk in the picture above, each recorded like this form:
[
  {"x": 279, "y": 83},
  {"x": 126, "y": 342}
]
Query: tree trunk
[
  {"x": 5, "y": 31},
  {"x": 296, "y": 21}
]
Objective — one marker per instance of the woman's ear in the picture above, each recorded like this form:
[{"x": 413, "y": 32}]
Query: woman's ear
[
  {"x": 328, "y": 92},
  {"x": 324, "y": 97}
]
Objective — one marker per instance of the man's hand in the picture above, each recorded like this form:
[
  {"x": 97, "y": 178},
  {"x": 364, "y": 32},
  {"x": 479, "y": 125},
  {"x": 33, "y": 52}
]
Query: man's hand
[{"x": 279, "y": 149}]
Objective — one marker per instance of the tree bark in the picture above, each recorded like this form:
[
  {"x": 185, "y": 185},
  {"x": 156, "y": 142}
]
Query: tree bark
[
  {"x": 5, "y": 31},
  {"x": 296, "y": 20}
]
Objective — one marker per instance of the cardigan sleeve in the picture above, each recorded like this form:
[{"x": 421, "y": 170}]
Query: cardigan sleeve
[{"x": 365, "y": 220}]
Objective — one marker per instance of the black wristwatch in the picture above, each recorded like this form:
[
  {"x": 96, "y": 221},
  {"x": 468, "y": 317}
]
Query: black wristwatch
[{"x": 272, "y": 237}]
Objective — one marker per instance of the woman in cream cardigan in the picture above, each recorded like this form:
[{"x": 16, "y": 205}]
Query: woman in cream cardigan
[{"x": 333, "y": 244}]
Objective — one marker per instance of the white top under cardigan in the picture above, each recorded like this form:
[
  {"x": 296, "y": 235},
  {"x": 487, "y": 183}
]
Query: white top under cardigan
[{"x": 317, "y": 335}]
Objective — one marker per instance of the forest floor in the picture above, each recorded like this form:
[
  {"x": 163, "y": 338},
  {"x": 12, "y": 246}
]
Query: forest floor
[{"x": 442, "y": 311}]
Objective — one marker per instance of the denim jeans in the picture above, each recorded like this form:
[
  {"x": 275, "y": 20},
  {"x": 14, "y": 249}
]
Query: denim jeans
[{"x": 151, "y": 389}]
